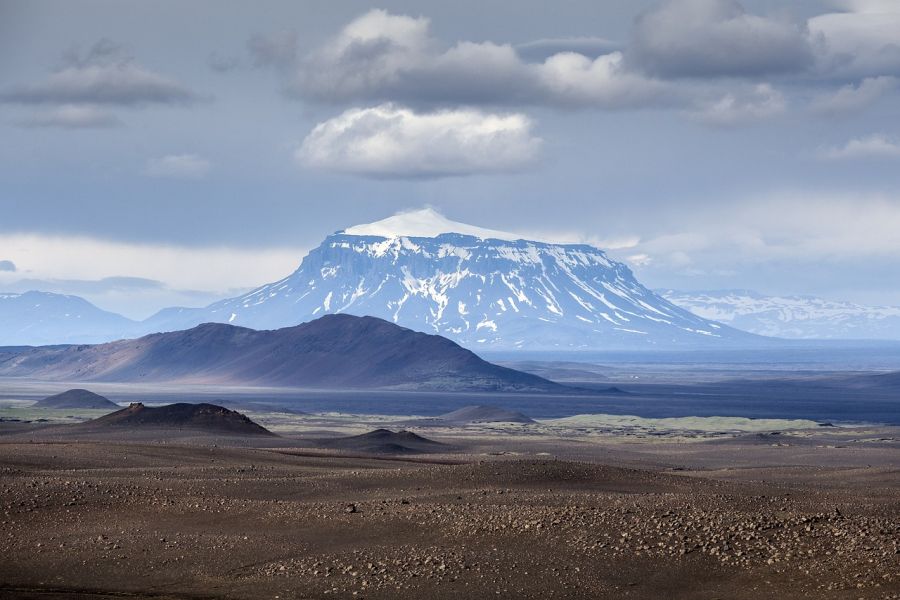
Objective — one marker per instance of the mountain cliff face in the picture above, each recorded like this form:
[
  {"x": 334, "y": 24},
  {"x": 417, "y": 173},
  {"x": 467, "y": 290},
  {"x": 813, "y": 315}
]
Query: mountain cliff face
[
  {"x": 796, "y": 317},
  {"x": 334, "y": 351},
  {"x": 483, "y": 289}
]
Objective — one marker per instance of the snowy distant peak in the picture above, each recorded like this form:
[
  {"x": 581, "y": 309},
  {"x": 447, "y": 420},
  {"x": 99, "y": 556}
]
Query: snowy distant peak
[
  {"x": 426, "y": 223},
  {"x": 32, "y": 318},
  {"x": 803, "y": 317}
]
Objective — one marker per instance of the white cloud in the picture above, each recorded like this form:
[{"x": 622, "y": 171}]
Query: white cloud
[
  {"x": 540, "y": 50},
  {"x": 863, "y": 40},
  {"x": 639, "y": 260},
  {"x": 873, "y": 146},
  {"x": 178, "y": 166},
  {"x": 385, "y": 57},
  {"x": 855, "y": 98},
  {"x": 777, "y": 229},
  {"x": 576, "y": 80},
  {"x": 758, "y": 103},
  {"x": 391, "y": 141},
  {"x": 214, "y": 270},
  {"x": 73, "y": 116}
]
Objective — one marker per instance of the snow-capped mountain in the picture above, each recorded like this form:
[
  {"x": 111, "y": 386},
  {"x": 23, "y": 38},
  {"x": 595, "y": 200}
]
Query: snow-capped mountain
[
  {"x": 482, "y": 288},
  {"x": 35, "y": 318},
  {"x": 798, "y": 317}
]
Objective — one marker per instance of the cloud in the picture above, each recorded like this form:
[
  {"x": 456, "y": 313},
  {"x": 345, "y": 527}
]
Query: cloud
[
  {"x": 860, "y": 41},
  {"x": 391, "y": 141},
  {"x": 103, "y": 75},
  {"x": 703, "y": 57},
  {"x": 776, "y": 229},
  {"x": 277, "y": 49},
  {"x": 575, "y": 80},
  {"x": 715, "y": 38},
  {"x": 873, "y": 146},
  {"x": 221, "y": 63},
  {"x": 158, "y": 275},
  {"x": 758, "y": 103},
  {"x": 7, "y": 266},
  {"x": 178, "y": 166},
  {"x": 540, "y": 50},
  {"x": 72, "y": 116},
  {"x": 384, "y": 57},
  {"x": 106, "y": 285},
  {"x": 855, "y": 98},
  {"x": 123, "y": 84}
]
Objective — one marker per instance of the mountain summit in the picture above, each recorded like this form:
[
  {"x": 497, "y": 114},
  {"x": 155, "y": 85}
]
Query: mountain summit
[
  {"x": 482, "y": 288},
  {"x": 426, "y": 222}
]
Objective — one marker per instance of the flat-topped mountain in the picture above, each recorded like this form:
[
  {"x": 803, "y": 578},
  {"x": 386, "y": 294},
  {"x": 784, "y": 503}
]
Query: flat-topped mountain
[
  {"x": 482, "y": 288},
  {"x": 204, "y": 417},
  {"x": 76, "y": 398},
  {"x": 479, "y": 287},
  {"x": 335, "y": 351}
]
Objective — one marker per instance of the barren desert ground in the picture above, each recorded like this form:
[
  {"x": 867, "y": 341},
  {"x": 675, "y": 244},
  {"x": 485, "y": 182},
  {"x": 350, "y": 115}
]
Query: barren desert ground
[{"x": 806, "y": 514}]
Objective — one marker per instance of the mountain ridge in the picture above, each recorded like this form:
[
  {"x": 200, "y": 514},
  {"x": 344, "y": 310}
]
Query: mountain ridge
[
  {"x": 334, "y": 351},
  {"x": 39, "y": 318},
  {"x": 791, "y": 316}
]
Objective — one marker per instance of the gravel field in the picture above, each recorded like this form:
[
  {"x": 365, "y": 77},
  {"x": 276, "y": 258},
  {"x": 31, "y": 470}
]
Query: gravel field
[{"x": 114, "y": 518}]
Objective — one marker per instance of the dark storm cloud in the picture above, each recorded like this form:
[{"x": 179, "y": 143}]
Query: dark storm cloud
[
  {"x": 102, "y": 75},
  {"x": 716, "y": 38}
]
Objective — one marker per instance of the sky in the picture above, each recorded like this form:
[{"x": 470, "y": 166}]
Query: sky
[{"x": 170, "y": 153}]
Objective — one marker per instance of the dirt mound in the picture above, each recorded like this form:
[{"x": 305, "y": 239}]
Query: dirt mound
[
  {"x": 385, "y": 441},
  {"x": 205, "y": 417},
  {"x": 485, "y": 414},
  {"x": 76, "y": 398}
]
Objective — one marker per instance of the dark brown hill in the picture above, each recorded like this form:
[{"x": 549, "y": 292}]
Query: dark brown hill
[
  {"x": 203, "y": 417},
  {"x": 385, "y": 441},
  {"x": 76, "y": 398},
  {"x": 335, "y": 351}
]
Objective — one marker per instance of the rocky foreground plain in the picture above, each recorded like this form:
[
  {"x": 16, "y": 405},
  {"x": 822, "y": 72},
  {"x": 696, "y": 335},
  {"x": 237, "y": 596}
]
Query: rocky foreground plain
[{"x": 114, "y": 519}]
